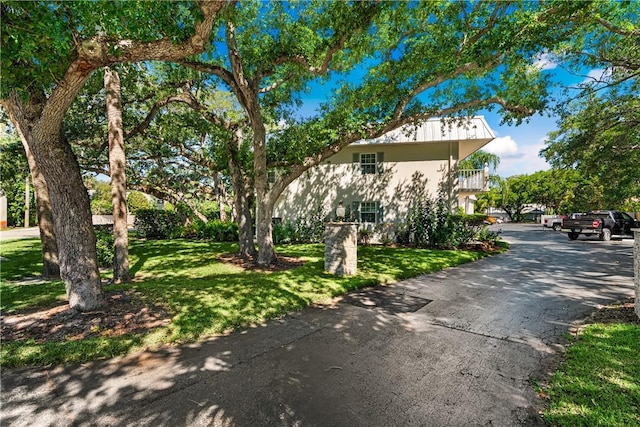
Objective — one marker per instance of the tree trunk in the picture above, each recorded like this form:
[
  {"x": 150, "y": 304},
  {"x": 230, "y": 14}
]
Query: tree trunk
[
  {"x": 117, "y": 161},
  {"x": 69, "y": 200},
  {"x": 74, "y": 231},
  {"x": 264, "y": 227},
  {"x": 246, "y": 245},
  {"x": 50, "y": 264},
  {"x": 220, "y": 197},
  {"x": 266, "y": 249},
  {"x": 247, "y": 248}
]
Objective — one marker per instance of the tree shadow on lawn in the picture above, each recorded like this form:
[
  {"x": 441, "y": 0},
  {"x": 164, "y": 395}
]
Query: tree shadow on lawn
[
  {"x": 177, "y": 257},
  {"x": 20, "y": 259},
  {"x": 185, "y": 282},
  {"x": 597, "y": 385}
]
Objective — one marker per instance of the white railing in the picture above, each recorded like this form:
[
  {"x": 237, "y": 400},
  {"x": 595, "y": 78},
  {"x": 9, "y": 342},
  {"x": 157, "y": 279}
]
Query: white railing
[{"x": 473, "y": 180}]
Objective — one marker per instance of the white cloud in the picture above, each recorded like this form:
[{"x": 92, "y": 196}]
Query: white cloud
[
  {"x": 517, "y": 159},
  {"x": 597, "y": 75},
  {"x": 504, "y": 147},
  {"x": 545, "y": 62}
]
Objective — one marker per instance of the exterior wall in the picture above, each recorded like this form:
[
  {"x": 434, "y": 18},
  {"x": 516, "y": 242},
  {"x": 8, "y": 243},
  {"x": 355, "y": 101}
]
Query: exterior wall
[
  {"x": 408, "y": 172},
  {"x": 416, "y": 162}
]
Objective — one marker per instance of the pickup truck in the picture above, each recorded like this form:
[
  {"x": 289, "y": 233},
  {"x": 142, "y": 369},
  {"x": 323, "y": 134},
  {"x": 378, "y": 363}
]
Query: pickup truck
[
  {"x": 551, "y": 221},
  {"x": 604, "y": 224}
]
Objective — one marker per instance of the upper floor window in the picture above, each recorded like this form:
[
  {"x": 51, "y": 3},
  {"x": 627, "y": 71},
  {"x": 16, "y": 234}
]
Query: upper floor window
[{"x": 368, "y": 163}]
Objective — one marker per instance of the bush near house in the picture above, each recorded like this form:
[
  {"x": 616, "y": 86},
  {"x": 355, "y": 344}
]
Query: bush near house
[
  {"x": 104, "y": 247},
  {"x": 428, "y": 224},
  {"x": 216, "y": 230},
  {"x": 157, "y": 224},
  {"x": 137, "y": 201}
]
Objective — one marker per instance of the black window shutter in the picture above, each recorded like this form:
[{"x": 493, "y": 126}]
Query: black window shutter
[
  {"x": 356, "y": 162},
  {"x": 355, "y": 211},
  {"x": 380, "y": 160},
  {"x": 380, "y": 212}
]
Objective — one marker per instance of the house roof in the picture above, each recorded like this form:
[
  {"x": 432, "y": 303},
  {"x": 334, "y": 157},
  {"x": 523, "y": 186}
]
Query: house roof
[{"x": 437, "y": 130}]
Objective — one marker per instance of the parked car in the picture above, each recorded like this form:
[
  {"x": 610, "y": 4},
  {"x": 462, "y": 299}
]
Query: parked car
[
  {"x": 554, "y": 222},
  {"x": 493, "y": 220},
  {"x": 603, "y": 223}
]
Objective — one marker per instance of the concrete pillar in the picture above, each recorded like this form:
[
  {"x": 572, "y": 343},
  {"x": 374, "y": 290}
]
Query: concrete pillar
[
  {"x": 3, "y": 212},
  {"x": 636, "y": 268},
  {"x": 341, "y": 248}
]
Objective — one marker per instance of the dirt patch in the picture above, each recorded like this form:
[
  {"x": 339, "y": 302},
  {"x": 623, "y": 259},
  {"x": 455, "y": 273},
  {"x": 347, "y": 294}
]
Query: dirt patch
[
  {"x": 124, "y": 313},
  {"x": 621, "y": 312},
  {"x": 283, "y": 262}
]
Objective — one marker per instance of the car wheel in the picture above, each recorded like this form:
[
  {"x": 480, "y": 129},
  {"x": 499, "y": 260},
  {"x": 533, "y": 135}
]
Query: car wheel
[
  {"x": 573, "y": 236},
  {"x": 605, "y": 235},
  {"x": 556, "y": 227}
]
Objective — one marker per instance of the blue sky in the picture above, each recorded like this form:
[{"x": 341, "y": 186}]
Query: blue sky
[{"x": 519, "y": 146}]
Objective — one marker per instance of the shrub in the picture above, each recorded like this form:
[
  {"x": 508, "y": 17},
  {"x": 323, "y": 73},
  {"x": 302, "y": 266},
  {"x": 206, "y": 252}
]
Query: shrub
[
  {"x": 310, "y": 229},
  {"x": 157, "y": 224},
  {"x": 487, "y": 236},
  {"x": 429, "y": 224},
  {"x": 137, "y": 201},
  {"x": 402, "y": 232},
  {"x": 305, "y": 230},
  {"x": 364, "y": 236},
  {"x": 427, "y": 220},
  {"x": 387, "y": 232},
  {"x": 104, "y": 247},
  {"x": 283, "y": 232},
  {"x": 213, "y": 230},
  {"x": 221, "y": 231}
]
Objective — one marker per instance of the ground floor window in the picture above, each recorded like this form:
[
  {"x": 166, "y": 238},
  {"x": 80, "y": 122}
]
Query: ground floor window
[{"x": 369, "y": 212}]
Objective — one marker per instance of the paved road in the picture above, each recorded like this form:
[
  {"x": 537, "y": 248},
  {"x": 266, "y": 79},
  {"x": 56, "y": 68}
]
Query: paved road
[
  {"x": 20, "y": 233},
  {"x": 456, "y": 348}
]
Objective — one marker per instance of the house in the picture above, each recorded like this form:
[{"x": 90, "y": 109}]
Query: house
[{"x": 376, "y": 180}]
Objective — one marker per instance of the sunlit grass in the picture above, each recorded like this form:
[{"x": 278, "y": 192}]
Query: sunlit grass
[
  {"x": 206, "y": 296},
  {"x": 599, "y": 383}
]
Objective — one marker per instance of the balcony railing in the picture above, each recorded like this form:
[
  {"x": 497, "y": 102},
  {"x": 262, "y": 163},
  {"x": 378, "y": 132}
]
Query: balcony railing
[{"x": 473, "y": 180}]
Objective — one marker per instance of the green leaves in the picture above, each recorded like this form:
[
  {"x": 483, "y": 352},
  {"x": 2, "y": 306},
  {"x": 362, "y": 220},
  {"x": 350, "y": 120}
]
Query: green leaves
[{"x": 40, "y": 39}]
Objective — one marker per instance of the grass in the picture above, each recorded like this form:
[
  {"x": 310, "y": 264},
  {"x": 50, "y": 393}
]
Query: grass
[
  {"x": 203, "y": 295},
  {"x": 599, "y": 383}
]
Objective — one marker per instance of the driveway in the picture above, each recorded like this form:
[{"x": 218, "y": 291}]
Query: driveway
[
  {"x": 20, "y": 233},
  {"x": 455, "y": 348}
]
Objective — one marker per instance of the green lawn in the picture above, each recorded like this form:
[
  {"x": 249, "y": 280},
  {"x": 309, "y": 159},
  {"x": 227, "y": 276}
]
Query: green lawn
[
  {"x": 203, "y": 295},
  {"x": 599, "y": 383}
]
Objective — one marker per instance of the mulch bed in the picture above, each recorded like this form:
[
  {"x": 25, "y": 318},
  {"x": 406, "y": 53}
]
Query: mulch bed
[
  {"x": 124, "y": 313},
  {"x": 283, "y": 262}
]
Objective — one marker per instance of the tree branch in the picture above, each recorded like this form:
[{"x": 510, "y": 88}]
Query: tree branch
[{"x": 98, "y": 52}]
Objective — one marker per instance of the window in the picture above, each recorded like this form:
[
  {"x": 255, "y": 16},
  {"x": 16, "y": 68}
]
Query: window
[
  {"x": 368, "y": 163},
  {"x": 271, "y": 176},
  {"x": 368, "y": 212}
]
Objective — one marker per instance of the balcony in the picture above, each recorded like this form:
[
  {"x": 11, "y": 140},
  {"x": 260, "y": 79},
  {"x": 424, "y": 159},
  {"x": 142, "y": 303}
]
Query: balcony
[{"x": 473, "y": 179}]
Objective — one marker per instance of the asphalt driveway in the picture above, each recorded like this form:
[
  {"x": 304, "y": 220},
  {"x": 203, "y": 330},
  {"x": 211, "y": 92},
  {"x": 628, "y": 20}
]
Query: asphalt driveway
[{"x": 455, "y": 348}]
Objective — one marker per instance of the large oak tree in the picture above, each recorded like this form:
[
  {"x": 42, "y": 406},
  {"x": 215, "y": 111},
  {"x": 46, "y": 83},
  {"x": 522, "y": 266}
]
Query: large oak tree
[
  {"x": 49, "y": 50},
  {"x": 389, "y": 64}
]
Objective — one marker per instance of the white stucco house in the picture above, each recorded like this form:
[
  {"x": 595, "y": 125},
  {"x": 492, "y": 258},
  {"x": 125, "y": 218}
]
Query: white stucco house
[{"x": 376, "y": 180}]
